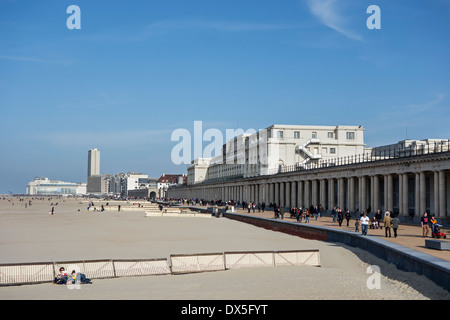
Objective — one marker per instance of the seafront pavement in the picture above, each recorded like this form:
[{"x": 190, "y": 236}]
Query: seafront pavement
[{"x": 409, "y": 235}]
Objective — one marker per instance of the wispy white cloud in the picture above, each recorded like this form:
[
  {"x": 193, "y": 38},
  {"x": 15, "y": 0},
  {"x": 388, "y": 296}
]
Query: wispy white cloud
[
  {"x": 328, "y": 12},
  {"x": 415, "y": 109},
  {"x": 392, "y": 122}
]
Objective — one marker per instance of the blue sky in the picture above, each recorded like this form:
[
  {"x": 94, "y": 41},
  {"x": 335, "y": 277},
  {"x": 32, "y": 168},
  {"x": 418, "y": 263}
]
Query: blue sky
[{"x": 138, "y": 70}]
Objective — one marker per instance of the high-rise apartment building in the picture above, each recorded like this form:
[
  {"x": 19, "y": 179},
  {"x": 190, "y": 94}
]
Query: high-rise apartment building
[{"x": 93, "y": 162}]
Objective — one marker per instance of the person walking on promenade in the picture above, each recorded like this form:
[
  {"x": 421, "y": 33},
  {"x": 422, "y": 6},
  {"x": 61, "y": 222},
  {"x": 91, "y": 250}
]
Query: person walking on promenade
[
  {"x": 299, "y": 215},
  {"x": 348, "y": 216},
  {"x": 387, "y": 221},
  {"x": 424, "y": 222},
  {"x": 378, "y": 216},
  {"x": 316, "y": 212},
  {"x": 334, "y": 214},
  {"x": 357, "y": 225},
  {"x": 249, "y": 207},
  {"x": 395, "y": 223},
  {"x": 281, "y": 212},
  {"x": 263, "y": 206},
  {"x": 306, "y": 216},
  {"x": 340, "y": 216},
  {"x": 364, "y": 223}
]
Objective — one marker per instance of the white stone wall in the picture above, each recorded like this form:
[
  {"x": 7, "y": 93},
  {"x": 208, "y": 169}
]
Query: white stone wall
[{"x": 278, "y": 146}]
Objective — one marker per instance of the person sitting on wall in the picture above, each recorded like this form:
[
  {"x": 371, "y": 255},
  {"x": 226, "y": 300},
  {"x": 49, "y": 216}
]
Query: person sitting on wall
[{"x": 374, "y": 224}]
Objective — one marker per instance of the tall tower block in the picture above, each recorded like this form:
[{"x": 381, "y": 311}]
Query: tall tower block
[{"x": 93, "y": 162}]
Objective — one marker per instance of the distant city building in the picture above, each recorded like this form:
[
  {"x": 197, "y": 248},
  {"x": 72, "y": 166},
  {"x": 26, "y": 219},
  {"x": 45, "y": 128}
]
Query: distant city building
[
  {"x": 408, "y": 148},
  {"x": 45, "y": 186},
  {"x": 98, "y": 184},
  {"x": 168, "y": 180},
  {"x": 125, "y": 184},
  {"x": 133, "y": 181},
  {"x": 93, "y": 162},
  {"x": 278, "y": 146}
]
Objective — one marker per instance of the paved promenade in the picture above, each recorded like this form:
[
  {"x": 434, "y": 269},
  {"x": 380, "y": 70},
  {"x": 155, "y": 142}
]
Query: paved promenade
[{"x": 409, "y": 235}]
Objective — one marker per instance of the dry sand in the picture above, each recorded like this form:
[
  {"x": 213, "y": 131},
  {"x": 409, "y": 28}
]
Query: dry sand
[{"x": 32, "y": 235}]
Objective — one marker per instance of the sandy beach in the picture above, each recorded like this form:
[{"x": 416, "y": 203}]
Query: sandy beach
[{"x": 30, "y": 234}]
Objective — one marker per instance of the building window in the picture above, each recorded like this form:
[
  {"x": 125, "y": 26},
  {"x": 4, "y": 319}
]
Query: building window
[
  {"x": 333, "y": 150},
  {"x": 280, "y": 134},
  {"x": 350, "y": 135},
  {"x": 330, "y": 135},
  {"x": 296, "y": 134},
  {"x": 314, "y": 135}
]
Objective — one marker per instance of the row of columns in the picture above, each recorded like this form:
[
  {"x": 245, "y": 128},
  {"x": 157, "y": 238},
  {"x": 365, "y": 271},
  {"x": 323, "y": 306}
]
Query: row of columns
[{"x": 355, "y": 193}]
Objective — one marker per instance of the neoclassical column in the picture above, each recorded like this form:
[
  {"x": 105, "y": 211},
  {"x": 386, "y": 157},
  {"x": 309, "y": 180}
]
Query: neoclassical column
[
  {"x": 364, "y": 194},
  {"x": 287, "y": 194},
  {"x": 293, "y": 194},
  {"x": 267, "y": 194},
  {"x": 300, "y": 195},
  {"x": 435, "y": 193},
  {"x": 422, "y": 190},
  {"x": 322, "y": 192},
  {"x": 351, "y": 194},
  {"x": 371, "y": 193},
  {"x": 314, "y": 192},
  {"x": 400, "y": 194},
  {"x": 272, "y": 193},
  {"x": 390, "y": 193},
  {"x": 405, "y": 196},
  {"x": 341, "y": 193},
  {"x": 307, "y": 201},
  {"x": 282, "y": 194},
  {"x": 417, "y": 195},
  {"x": 276, "y": 195},
  {"x": 331, "y": 200},
  {"x": 442, "y": 194},
  {"x": 261, "y": 193},
  {"x": 376, "y": 193}
]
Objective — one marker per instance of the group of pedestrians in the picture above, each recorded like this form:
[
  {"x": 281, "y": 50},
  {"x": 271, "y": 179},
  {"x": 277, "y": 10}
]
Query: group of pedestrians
[
  {"x": 338, "y": 216},
  {"x": 428, "y": 223},
  {"x": 302, "y": 214},
  {"x": 390, "y": 221}
]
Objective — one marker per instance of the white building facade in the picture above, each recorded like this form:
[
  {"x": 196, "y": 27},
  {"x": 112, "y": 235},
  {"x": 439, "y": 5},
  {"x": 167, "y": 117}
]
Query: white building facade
[
  {"x": 45, "y": 186},
  {"x": 279, "y": 146}
]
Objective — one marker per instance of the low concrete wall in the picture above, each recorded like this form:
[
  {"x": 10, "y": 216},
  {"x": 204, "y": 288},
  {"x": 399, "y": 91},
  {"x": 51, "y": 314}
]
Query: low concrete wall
[{"x": 437, "y": 270}]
